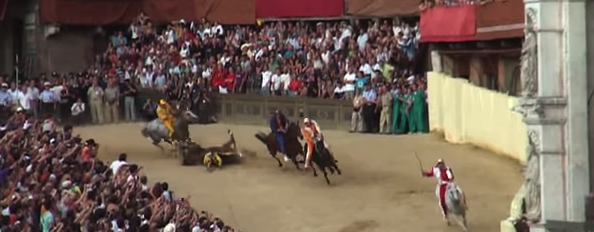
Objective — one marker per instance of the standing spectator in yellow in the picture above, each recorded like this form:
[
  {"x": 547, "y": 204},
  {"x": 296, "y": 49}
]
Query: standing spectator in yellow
[
  {"x": 165, "y": 113},
  {"x": 112, "y": 102},
  {"x": 385, "y": 114},
  {"x": 95, "y": 94}
]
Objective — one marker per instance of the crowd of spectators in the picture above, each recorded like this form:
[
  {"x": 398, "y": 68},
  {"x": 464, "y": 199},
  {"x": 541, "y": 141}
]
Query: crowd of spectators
[
  {"x": 188, "y": 60},
  {"x": 52, "y": 180}
]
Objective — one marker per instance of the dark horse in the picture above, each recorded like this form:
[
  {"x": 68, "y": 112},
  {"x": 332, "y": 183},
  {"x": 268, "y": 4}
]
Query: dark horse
[
  {"x": 228, "y": 153},
  {"x": 321, "y": 158},
  {"x": 292, "y": 144}
]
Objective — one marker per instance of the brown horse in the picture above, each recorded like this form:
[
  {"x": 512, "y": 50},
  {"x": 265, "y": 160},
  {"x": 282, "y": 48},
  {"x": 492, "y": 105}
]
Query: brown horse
[
  {"x": 292, "y": 144},
  {"x": 193, "y": 153}
]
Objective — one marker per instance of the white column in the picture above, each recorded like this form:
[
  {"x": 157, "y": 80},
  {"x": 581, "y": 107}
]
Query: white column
[
  {"x": 556, "y": 111},
  {"x": 577, "y": 168}
]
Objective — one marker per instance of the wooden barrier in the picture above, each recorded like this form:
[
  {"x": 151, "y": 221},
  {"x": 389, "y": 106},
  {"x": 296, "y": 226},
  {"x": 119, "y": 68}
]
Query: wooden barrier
[{"x": 255, "y": 110}]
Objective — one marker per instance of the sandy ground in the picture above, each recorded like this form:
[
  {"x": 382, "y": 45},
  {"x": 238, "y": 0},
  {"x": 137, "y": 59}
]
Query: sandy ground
[{"x": 381, "y": 188}]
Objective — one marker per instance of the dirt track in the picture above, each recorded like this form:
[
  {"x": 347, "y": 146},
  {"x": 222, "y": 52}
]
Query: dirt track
[{"x": 380, "y": 190}]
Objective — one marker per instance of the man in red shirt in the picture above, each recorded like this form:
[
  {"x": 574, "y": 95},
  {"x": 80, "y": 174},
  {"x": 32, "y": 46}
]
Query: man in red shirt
[{"x": 295, "y": 86}]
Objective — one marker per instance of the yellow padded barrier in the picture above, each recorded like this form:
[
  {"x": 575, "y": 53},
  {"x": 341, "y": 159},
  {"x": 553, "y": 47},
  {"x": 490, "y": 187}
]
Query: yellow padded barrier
[{"x": 468, "y": 114}]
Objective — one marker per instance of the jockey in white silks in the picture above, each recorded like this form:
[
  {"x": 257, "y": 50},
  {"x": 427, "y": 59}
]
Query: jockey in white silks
[
  {"x": 312, "y": 133},
  {"x": 444, "y": 176}
]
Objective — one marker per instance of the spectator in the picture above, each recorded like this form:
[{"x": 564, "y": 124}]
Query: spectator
[
  {"x": 32, "y": 94},
  {"x": 369, "y": 109},
  {"x": 77, "y": 110},
  {"x": 80, "y": 192},
  {"x": 95, "y": 94},
  {"x": 357, "y": 118},
  {"x": 48, "y": 100},
  {"x": 130, "y": 93},
  {"x": 112, "y": 103},
  {"x": 385, "y": 100}
]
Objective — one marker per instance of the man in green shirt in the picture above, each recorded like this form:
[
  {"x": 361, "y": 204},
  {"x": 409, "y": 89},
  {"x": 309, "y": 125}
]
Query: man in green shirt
[{"x": 387, "y": 70}]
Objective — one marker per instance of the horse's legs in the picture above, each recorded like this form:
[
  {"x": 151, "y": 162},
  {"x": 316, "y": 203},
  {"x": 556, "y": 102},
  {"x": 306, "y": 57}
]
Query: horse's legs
[
  {"x": 156, "y": 144},
  {"x": 332, "y": 171},
  {"x": 294, "y": 160},
  {"x": 168, "y": 141},
  {"x": 464, "y": 225},
  {"x": 273, "y": 154},
  {"x": 326, "y": 176},
  {"x": 337, "y": 169},
  {"x": 315, "y": 173}
]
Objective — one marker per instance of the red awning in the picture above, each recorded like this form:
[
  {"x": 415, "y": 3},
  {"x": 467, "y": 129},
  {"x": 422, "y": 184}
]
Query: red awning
[
  {"x": 448, "y": 24},
  {"x": 3, "y": 5}
]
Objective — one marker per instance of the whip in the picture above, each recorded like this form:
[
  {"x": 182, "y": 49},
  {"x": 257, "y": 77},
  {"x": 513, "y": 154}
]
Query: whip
[{"x": 419, "y": 161}]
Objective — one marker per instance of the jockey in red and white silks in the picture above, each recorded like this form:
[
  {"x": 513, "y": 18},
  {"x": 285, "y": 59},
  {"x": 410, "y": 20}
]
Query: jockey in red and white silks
[{"x": 444, "y": 176}]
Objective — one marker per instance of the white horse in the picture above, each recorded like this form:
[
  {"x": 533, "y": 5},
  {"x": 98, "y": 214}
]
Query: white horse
[
  {"x": 456, "y": 204},
  {"x": 156, "y": 131}
]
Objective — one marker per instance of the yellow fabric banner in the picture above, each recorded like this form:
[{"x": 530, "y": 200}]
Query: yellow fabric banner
[{"x": 469, "y": 114}]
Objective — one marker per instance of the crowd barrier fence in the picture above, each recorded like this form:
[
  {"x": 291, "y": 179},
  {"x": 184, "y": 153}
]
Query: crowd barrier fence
[
  {"x": 255, "y": 109},
  {"x": 468, "y": 114}
]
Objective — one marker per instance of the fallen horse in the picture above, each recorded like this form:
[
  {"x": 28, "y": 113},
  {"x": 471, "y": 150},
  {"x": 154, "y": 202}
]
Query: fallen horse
[{"x": 228, "y": 153}]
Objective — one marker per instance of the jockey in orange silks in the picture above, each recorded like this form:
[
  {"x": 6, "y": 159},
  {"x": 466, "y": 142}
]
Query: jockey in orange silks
[
  {"x": 444, "y": 176},
  {"x": 312, "y": 133}
]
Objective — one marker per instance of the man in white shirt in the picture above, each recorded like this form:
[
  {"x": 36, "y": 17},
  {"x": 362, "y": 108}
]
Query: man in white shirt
[
  {"x": 117, "y": 164},
  {"x": 77, "y": 109},
  {"x": 349, "y": 83},
  {"x": 266, "y": 78},
  {"x": 48, "y": 99},
  {"x": 285, "y": 80},
  {"x": 276, "y": 82},
  {"x": 217, "y": 29},
  {"x": 24, "y": 99},
  {"x": 16, "y": 95},
  {"x": 366, "y": 69},
  {"x": 33, "y": 95}
]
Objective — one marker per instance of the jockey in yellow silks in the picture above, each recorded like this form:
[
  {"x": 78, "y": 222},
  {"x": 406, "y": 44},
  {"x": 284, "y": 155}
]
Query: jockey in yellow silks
[
  {"x": 312, "y": 133},
  {"x": 165, "y": 114}
]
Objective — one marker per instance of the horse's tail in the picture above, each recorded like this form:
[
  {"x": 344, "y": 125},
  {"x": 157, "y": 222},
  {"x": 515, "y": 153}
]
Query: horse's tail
[{"x": 262, "y": 137}]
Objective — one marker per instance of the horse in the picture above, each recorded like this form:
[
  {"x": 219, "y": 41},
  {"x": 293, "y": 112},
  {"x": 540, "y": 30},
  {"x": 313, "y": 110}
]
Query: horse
[
  {"x": 321, "y": 158},
  {"x": 292, "y": 144},
  {"x": 228, "y": 153},
  {"x": 156, "y": 131},
  {"x": 456, "y": 204}
]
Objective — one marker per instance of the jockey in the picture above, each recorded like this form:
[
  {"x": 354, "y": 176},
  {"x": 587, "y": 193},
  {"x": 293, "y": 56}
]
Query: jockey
[
  {"x": 312, "y": 134},
  {"x": 278, "y": 125},
  {"x": 164, "y": 112},
  {"x": 444, "y": 176}
]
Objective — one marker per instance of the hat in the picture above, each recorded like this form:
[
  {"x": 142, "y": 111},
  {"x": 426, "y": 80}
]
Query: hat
[
  {"x": 440, "y": 161},
  {"x": 46, "y": 83},
  {"x": 4, "y": 85}
]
